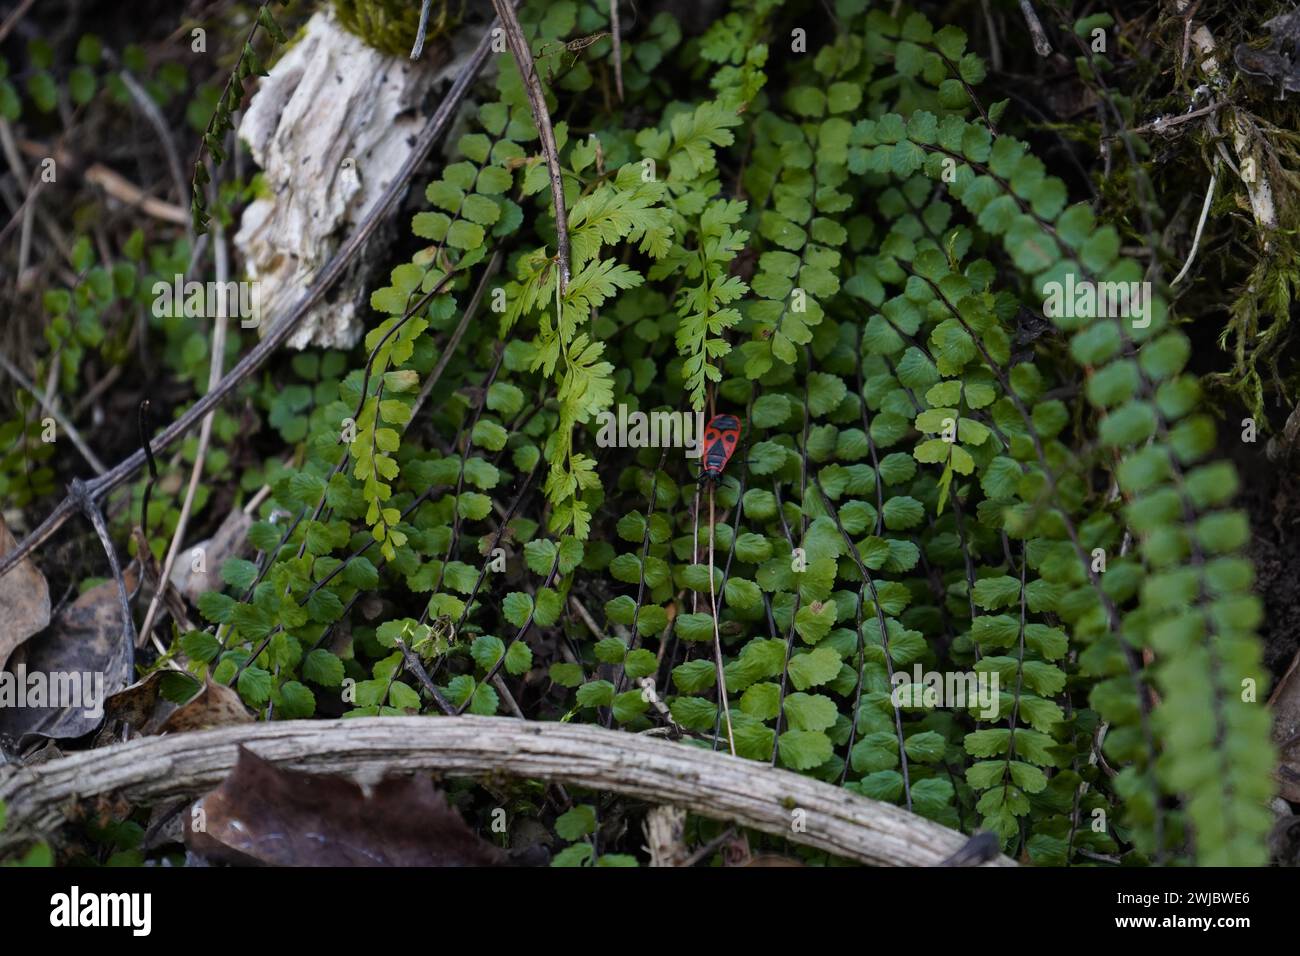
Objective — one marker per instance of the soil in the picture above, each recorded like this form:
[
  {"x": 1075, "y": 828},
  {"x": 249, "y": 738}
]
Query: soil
[{"x": 1270, "y": 493}]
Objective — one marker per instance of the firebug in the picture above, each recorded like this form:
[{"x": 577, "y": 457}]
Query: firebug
[{"x": 721, "y": 438}]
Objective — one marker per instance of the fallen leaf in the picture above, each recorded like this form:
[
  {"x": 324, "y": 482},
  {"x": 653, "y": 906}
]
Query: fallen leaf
[
  {"x": 166, "y": 825},
  {"x": 225, "y": 543},
  {"x": 172, "y": 602},
  {"x": 216, "y": 705},
  {"x": 264, "y": 815},
  {"x": 1279, "y": 62},
  {"x": 58, "y": 682},
  {"x": 149, "y": 706},
  {"x": 137, "y": 705},
  {"x": 24, "y": 599}
]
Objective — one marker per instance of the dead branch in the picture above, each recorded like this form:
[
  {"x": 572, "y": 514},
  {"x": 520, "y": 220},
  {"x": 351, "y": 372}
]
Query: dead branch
[
  {"x": 77, "y": 492},
  {"x": 12, "y": 20},
  {"x": 711, "y": 784},
  {"x": 1042, "y": 46},
  {"x": 542, "y": 119},
  {"x": 418, "y": 49},
  {"x": 616, "y": 31},
  {"x": 112, "y": 182},
  {"x": 221, "y": 256},
  {"x": 144, "y": 102}
]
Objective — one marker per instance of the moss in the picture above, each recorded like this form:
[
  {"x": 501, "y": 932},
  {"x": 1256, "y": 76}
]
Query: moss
[
  {"x": 390, "y": 25},
  {"x": 1237, "y": 299}
]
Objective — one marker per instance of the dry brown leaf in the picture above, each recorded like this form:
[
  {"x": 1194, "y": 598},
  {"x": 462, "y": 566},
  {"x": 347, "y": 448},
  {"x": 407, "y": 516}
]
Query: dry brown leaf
[
  {"x": 143, "y": 707},
  {"x": 225, "y": 542},
  {"x": 24, "y": 599},
  {"x": 216, "y": 705},
  {"x": 138, "y": 705},
  {"x": 264, "y": 815},
  {"x": 83, "y": 654}
]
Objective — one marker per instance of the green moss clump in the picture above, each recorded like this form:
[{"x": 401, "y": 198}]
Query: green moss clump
[{"x": 390, "y": 25}]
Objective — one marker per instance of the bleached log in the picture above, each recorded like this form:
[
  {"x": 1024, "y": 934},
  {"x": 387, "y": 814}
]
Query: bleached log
[
  {"x": 711, "y": 784},
  {"x": 330, "y": 126}
]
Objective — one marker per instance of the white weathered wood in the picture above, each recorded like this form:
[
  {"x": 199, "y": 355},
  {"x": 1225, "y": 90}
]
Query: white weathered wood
[
  {"x": 329, "y": 126},
  {"x": 715, "y": 785},
  {"x": 1245, "y": 137}
]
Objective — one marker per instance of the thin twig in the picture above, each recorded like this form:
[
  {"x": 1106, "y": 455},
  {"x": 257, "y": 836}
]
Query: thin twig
[
  {"x": 587, "y": 619},
  {"x": 222, "y": 264},
  {"x": 542, "y": 119},
  {"x": 9, "y": 144},
  {"x": 87, "y": 400},
  {"x": 547, "y": 581},
  {"x": 154, "y": 115},
  {"x": 142, "y": 422},
  {"x": 418, "y": 49},
  {"x": 1189, "y": 14},
  {"x": 28, "y": 222},
  {"x": 1200, "y": 225},
  {"x": 1041, "y": 45},
  {"x": 450, "y": 348},
  {"x": 618, "y": 48},
  {"x": 73, "y": 435},
  {"x": 717, "y": 635},
  {"x": 710, "y": 848},
  {"x": 112, "y": 182},
  {"x": 1161, "y": 124},
  {"x": 512, "y": 705},
  {"x": 414, "y": 665},
  {"x": 12, "y": 20},
  {"x": 995, "y": 49},
  {"x": 23, "y": 215},
  {"x": 79, "y": 492}
]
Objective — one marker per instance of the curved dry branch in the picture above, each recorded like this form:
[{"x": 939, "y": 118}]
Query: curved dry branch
[{"x": 711, "y": 784}]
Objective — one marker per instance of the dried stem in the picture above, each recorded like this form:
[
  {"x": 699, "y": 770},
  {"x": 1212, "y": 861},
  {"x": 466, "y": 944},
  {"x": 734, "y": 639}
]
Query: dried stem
[
  {"x": 542, "y": 118},
  {"x": 616, "y": 31},
  {"x": 1041, "y": 44},
  {"x": 222, "y": 259},
  {"x": 420, "y": 31}
]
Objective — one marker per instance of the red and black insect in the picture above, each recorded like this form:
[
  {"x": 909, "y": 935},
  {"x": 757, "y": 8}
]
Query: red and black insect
[{"x": 721, "y": 437}]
